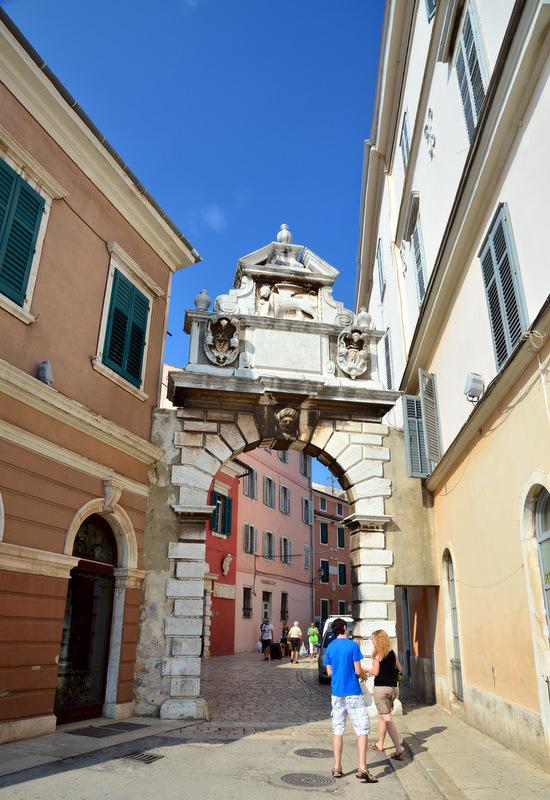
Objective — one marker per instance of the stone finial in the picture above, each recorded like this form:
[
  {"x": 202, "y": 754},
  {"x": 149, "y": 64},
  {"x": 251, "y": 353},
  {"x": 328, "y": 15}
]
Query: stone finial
[{"x": 284, "y": 236}]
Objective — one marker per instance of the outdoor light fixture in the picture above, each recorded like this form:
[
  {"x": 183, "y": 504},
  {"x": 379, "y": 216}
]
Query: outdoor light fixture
[{"x": 474, "y": 387}]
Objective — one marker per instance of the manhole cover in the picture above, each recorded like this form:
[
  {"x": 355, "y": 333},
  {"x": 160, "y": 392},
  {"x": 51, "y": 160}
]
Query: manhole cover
[
  {"x": 314, "y": 752},
  {"x": 143, "y": 758},
  {"x": 307, "y": 779}
]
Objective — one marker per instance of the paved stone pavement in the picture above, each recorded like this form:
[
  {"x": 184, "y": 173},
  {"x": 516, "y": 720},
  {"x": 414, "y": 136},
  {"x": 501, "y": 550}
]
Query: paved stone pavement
[{"x": 268, "y": 733}]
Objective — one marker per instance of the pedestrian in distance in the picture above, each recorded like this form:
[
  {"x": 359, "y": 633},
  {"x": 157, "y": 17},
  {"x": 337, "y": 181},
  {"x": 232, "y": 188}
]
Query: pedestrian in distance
[
  {"x": 266, "y": 637},
  {"x": 284, "y": 639},
  {"x": 313, "y": 633},
  {"x": 296, "y": 640},
  {"x": 385, "y": 666},
  {"x": 343, "y": 660}
]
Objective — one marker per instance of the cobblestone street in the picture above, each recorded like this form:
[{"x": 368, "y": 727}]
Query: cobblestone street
[{"x": 269, "y": 733}]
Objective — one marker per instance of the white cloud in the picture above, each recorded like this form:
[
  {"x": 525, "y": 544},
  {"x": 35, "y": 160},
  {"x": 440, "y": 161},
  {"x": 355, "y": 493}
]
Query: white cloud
[{"x": 215, "y": 217}]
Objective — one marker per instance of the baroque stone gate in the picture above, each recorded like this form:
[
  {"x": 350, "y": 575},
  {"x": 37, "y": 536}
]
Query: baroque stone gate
[{"x": 277, "y": 363}]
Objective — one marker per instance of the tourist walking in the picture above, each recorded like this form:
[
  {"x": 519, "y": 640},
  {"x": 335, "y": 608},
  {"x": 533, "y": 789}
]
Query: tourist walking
[
  {"x": 284, "y": 639},
  {"x": 385, "y": 666},
  {"x": 266, "y": 637},
  {"x": 343, "y": 659},
  {"x": 313, "y": 633},
  {"x": 296, "y": 640}
]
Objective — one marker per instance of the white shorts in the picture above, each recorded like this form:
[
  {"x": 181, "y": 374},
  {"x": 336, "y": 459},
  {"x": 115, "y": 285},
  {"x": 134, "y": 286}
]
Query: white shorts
[{"x": 355, "y": 706}]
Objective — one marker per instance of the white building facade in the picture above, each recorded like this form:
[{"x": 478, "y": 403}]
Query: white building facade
[{"x": 454, "y": 198}]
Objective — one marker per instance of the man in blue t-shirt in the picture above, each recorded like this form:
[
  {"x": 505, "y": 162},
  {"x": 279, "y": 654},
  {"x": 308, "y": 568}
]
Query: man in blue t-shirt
[{"x": 343, "y": 660}]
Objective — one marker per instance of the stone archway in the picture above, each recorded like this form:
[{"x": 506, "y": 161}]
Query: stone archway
[{"x": 278, "y": 363}]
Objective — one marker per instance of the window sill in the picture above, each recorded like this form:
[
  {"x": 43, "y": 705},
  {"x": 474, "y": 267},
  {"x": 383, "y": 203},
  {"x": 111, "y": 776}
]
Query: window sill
[
  {"x": 120, "y": 381},
  {"x": 12, "y": 308}
]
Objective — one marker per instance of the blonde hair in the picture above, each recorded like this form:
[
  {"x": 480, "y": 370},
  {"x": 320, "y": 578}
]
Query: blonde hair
[{"x": 382, "y": 645}]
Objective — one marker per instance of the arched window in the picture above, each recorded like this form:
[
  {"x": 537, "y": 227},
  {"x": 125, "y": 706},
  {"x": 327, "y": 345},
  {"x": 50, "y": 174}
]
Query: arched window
[{"x": 543, "y": 539}]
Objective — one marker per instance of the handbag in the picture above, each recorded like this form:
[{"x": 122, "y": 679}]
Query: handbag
[
  {"x": 367, "y": 697},
  {"x": 398, "y": 675}
]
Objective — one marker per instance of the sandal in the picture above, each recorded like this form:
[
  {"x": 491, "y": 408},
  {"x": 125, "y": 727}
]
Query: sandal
[
  {"x": 398, "y": 756},
  {"x": 368, "y": 776},
  {"x": 336, "y": 773},
  {"x": 375, "y": 747}
]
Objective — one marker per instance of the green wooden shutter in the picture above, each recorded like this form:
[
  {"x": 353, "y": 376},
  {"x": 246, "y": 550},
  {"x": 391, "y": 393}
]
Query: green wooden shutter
[
  {"x": 341, "y": 574},
  {"x": 503, "y": 287},
  {"x": 341, "y": 537},
  {"x": 126, "y": 327},
  {"x": 387, "y": 360},
  {"x": 214, "y": 519},
  {"x": 20, "y": 216},
  {"x": 227, "y": 515},
  {"x": 324, "y": 533},
  {"x": 415, "y": 444}
]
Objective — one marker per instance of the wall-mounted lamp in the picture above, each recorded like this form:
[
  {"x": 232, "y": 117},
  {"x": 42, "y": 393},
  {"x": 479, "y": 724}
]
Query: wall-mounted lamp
[{"x": 474, "y": 387}]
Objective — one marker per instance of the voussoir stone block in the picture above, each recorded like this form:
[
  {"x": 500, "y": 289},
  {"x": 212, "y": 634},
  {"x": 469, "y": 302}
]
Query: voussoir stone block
[
  {"x": 217, "y": 448},
  {"x": 375, "y": 428},
  {"x": 188, "y": 439},
  {"x": 200, "y": 459},
  {"x": 200, "y": 427},
  {"x": 191, "y": 476},
  {"x": 322, "y": 433},
  {"x": 364, "y": 470},
  {"x": 248, "y": 428},
  {"x": 232, "y": 437}
]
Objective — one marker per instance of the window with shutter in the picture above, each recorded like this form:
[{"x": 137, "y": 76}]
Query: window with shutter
[
  {"x": 269, "y": 492},
  {"x": 415, "y": 445},
  {"x": 419, "y": 261},
  {"x": 503, "y": 287},
  {"x": 221, "y": 518},
  {"x": 20, "y": 216},
  {"x": 284, "y": 499},
  {"x": 126, "y": 328},
  {"x": 268, "y": 550},
  {"x": 306, "y": 556},
  {"x": 471, "y": 71},
  {"x": 422, "y": 427},
  {"x": 324, "y": 566}
]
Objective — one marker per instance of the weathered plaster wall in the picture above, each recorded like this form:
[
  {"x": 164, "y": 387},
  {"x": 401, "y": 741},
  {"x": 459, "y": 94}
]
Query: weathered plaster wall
[{"x": 151, "y": 688}]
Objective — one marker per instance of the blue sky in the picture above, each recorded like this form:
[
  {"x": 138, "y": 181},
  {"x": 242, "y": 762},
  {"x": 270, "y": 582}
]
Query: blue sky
[{"x": 236, "y": 115}]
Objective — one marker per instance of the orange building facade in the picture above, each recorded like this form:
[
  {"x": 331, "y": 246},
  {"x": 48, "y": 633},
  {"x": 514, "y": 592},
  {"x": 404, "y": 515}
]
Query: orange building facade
[{"x": 86, "y": 263}]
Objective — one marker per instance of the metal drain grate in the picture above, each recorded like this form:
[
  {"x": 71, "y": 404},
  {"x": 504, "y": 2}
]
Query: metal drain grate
[
  {"x": 307, "y": 779},
  {"x": 143, "y": 758},
  {"x": 314, "y": 752}
]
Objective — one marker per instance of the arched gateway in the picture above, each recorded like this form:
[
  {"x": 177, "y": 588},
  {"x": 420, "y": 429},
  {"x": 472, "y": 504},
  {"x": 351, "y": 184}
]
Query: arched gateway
[{"x": 279, "y": 363}]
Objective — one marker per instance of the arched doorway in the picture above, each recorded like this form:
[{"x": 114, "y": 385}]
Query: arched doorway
[{"x": 80, "y": 690}]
